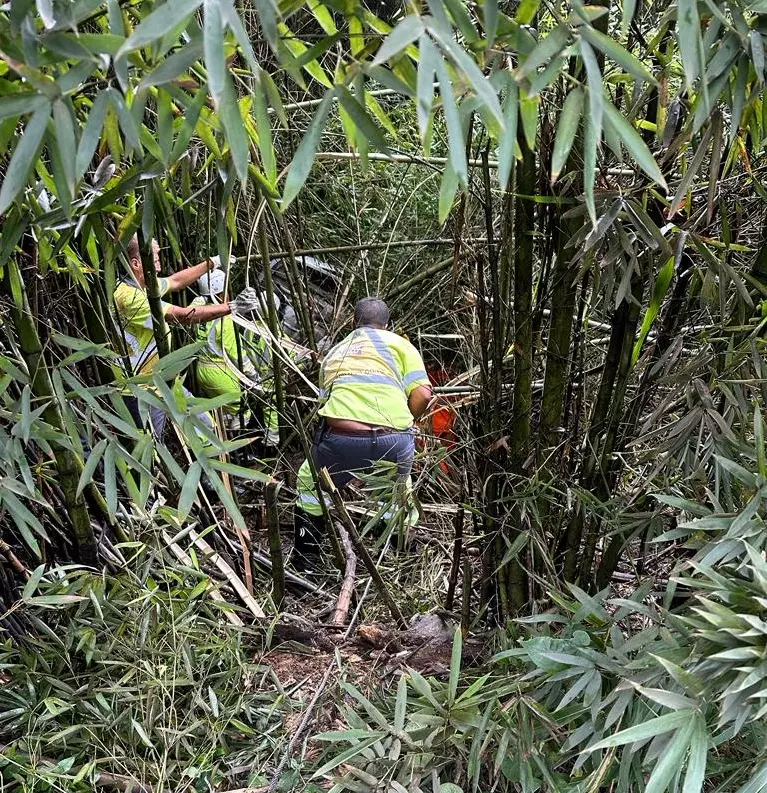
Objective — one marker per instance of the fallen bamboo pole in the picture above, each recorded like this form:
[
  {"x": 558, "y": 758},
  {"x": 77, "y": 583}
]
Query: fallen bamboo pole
[
  {"x": 229, "y": 574},
  {"x": 214, "y": 594},
  {"x": 359, "y": 546},
  {"x": 370, "y": 246}
]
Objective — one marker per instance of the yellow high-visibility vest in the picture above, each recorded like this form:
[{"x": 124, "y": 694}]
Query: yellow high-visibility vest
[{"x": 369, "y": 376}]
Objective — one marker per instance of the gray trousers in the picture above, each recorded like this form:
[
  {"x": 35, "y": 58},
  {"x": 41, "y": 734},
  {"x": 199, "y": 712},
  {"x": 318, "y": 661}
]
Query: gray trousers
[
  {"x": 346, "y": 456},
  {"x": 157, "y": 416}
]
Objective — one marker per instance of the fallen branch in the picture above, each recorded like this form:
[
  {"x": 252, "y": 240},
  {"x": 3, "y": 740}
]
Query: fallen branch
[
  {"x": 185, "y": 559},
  {"x": 370, "y": 246},
  {"x": 229, "y": 574},
  {"x": 338, "y": 503},
  {"x": 347, "y": 587}
]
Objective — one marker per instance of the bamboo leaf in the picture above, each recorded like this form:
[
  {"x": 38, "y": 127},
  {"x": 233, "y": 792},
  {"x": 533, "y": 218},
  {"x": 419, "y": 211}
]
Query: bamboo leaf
[
  {"x": 544, "y": 51},
  {"x": 455, "y": 139},
  {"x": 189, "y": 490},
  {"x": 490, "y": 18},
  {"x": 455, "y": 666},
  {"x": 66, "y": 142},
  {"x": 617, "y": 53},
  {"x": 648, "y": 729},
  {"x": 400, "y": 706},
  {"x": 24, "y": 156},
  {"x": 161, "y": 21},
  {"x": 361, "y": 119},
  {"x": 462, "y": 19},
  {"x": 45, "y": 10},
  {"x": 634, "y": 143},
  {"x": 233, "y": 21},
  {"x": 34, "y": 581},
  {"x": 304, "y": 156},
  {"x": 528, "y": 112},
  {"x": 670, "y": 761},
  {"x": 128, "y": 124},
  {"x": 689, "y": 38},
  {"x": 427, "y": 67},
  {"x": 264, "y": 130},
  {"x": 110, "y": 479},
  {"x": 174, "y": 65},
  {"x": 406, "y": 32},
  {"x": 447, "y": 190},
  {"x": 696, "y": 763},
  {"x": 591, "y": 136},
  {"x": 213, "y": 46},
  {"x": 86, "y": 477},
  {"x": 480, "y": 84},
  {"x": 567, "y": 128},
  {"x": 629, "y": 9},
  {"x": 20, "y": 104},
  {"x": 757, "y": 53},
  {"x": 91, "y": 134},
  {"x": 234, "y": 129},
  {"x": 594, "y": 78},
  {"x": 662, "y": 282},
  {"x": 347, "y": 755},
  {"x": 268, "y": 15}
]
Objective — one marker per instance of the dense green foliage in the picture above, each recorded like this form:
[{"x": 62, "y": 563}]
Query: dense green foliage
[{"x": 599, "y": 172}]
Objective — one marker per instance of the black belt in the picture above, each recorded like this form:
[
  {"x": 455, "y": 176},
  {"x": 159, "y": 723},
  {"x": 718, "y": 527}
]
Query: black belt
[{"x": 372, "y": 430}]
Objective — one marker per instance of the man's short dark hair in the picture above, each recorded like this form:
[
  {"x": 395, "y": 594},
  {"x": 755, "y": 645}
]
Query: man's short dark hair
[
  {"x": 371, "y": 312},
  {"x": 132, "y": 248}
]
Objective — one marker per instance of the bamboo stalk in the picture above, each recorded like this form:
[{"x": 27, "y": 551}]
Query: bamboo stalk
[
  {"x": 338, "y": 503},
  {"x": 299, "y": 294},
  {"x": 399, "y": 158},
  {"x": 152, "y": 286},
  {"x": 455, "y": 567},
  {"x": 370, "y": 246},
  {"x": 274, "y": 326},
  {"x": 275, "y": 547},
  {"x": 466, "y": 598}
]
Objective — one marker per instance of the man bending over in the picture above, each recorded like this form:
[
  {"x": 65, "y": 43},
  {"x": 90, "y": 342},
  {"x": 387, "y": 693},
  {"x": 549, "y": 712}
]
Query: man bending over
[{"x": 373, "y": 385}]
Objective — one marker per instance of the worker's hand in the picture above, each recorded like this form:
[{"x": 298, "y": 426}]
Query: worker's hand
[
  {"x": 245, "y": 303},
  {"x": 216, "y": 262}
]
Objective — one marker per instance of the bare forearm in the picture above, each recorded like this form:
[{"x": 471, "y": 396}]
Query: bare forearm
[
  {"x": 190, "y": 275},
  {"x": 418, "y": 401},
  {"x": 193, "y": 315}
]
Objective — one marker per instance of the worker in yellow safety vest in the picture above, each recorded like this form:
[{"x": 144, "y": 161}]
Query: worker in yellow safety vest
[
  {"x": 373, "y": 386},
  {"x": 253, "y": 357},
  {"x": 135, "y": 317}
]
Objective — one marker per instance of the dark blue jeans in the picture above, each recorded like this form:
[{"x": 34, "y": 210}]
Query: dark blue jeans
[{"x": 346, "y": 456}]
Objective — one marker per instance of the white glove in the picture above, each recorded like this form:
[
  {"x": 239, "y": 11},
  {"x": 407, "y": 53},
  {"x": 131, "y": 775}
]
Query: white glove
[
  {"x": 245, "y": 303},
  {"x": 272, "y": 438},
  {"x": 217, "y": 261}
]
